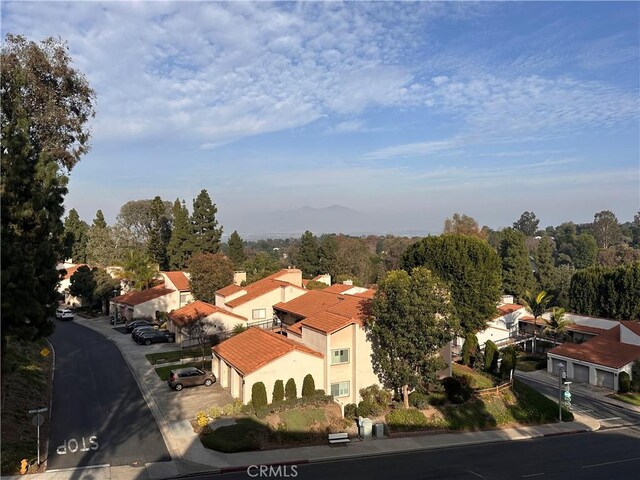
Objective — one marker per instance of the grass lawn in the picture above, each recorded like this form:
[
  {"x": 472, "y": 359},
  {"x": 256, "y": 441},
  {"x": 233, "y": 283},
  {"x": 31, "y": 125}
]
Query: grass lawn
[
  {"x": 530, "y": 363},
  {"x": 175, "y": 356},
  {"x": 26, "y": 385},
  {"x": 301, "y": 419},
  {"x": 523, "y": 406},
  {"x": 477, "y": 380},
  {"x": 163, "y": 372},
  {"x": 246, "y": 435},
  {"x": 631, "y": 397}
]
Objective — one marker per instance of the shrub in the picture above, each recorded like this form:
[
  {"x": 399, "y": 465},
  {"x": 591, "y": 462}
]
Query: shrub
[
  {"x": 635, "y": 376},
  {"x": 247, "y": 409},
  {"x": 457, "y": 391},
  {"x": 470, "y": 350},
  {"x": 237, "y": 407},
  {"x": 308, "y": 386},
  {"x": 366, "y": 408},
  {"x": 278, "y": 392},
  {"x": 437, "y": 398},
  {"x": 418, "y": 400},
  {"x": 624, "y": 382},
  {"x": 509, "y": 361},
  {"x": 490, "y": 356},
  {"x": 203, "y": 419},
  {"x": 374, "y": 395},
  {"x": 227, "y": 410},
  {"x": 406, "y": 419},
  {"x": 350, "y": 410},
  {"x": 259, "y": 395},
  {"x": 290, "y": 390},
  {"x": 215, "y": 412}
]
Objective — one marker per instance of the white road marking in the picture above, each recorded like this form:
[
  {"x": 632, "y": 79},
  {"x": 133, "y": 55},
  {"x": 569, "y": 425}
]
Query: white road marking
[
  {"x": 610, "y": 463},
  {"x": 476, "y": 474},
  {"x": 606, "y": 419},
  {"x": 102, "y": 465},
  {"x": 533, "y": 475}
]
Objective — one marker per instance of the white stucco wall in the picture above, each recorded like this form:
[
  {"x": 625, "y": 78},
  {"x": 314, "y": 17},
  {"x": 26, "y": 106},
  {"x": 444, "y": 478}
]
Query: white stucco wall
[{"x": 627, "y": 336}]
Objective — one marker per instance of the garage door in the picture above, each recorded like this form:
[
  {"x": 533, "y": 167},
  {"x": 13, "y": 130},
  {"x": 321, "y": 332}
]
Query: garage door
[
  {"x": 555, "y": 365},
  {"x": 581, "y": 373},
  {"x": 604, "y": 379}
]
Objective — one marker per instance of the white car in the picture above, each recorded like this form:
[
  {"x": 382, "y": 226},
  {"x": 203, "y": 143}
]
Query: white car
[{"x": 64, "y": 314}]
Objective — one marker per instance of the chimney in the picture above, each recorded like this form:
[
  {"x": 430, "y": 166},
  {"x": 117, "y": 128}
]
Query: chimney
[{"x": 348, "y": 282}]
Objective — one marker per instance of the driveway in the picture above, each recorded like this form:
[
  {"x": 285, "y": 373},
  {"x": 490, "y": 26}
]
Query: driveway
[{"x": 174, "y": 406}]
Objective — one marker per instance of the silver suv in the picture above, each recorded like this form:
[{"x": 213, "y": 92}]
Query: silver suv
[{"x": 189, "y": 377}]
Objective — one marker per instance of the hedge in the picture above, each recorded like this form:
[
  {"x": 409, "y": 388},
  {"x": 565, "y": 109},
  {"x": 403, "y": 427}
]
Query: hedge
[
  {"x": 259, "y": 395},
  {"x": 290, "y": 390},
  {"x": 278, "y": 392},
  {"x": 308, "y": 386}
]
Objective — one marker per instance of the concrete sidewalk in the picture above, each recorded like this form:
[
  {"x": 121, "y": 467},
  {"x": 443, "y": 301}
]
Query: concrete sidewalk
[{"x": 190, "y": 456}]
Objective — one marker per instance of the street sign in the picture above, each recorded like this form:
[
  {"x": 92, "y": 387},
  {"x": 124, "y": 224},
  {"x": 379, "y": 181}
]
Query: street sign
[
  {"x": 39, "y": 410},
  {"x": 567, "y": 396},
  {"x": 38, "y": 420},
  {"x": 44, "y": 352}
]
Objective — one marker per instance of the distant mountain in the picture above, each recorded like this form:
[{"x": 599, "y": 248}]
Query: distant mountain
[{"x": 293, "y": 223}]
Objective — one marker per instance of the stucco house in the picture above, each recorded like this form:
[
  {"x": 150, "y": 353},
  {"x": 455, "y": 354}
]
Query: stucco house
[
  {"x": 255, "y": 301},
  {"x": 217, "y": 319},
  {"x": 257, "y": 355},
  {"x": 65, "y": 282},
  {"x": 179, "y": 281},
  {"x": 146, "y": 303},
  {"x": 600, "y": 359}
]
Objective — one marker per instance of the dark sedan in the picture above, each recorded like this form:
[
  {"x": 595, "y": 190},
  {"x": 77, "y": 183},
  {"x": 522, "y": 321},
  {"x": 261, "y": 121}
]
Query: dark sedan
[
  {"x": 139, "y": 323},
  {"x": 155, "y": 336}
]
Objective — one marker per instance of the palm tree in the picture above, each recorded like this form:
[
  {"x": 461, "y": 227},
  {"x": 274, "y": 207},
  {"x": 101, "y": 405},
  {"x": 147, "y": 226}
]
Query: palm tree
[
  {"x": 557, "y": 324},
  {"x": 138, "y": 270},
  {"x": 536, "y": 305}
]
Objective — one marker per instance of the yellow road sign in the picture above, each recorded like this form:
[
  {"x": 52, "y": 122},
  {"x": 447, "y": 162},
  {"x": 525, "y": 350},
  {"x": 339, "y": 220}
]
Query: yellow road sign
[{"x": 44, "y": 352}]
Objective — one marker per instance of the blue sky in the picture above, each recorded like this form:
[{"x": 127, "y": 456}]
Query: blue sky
[{"x": 411, "y": 112}]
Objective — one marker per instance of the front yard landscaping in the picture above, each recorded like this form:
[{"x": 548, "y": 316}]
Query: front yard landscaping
[
  {"x": 174, "y": 356},
  {"x": 530, "y": 363},
  {"x": 630, "y": 397}
]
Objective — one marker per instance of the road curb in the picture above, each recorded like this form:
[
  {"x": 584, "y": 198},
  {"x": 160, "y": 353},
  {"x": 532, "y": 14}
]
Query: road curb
[{"x": 244, "y": 468}]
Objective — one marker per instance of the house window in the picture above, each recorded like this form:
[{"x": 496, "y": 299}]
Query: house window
[
  {"x": 185, "y": 298},
  {"x": 339, "y": 356},
  {"x": 259, "y": 313},
  {"x": 340, "y": 389}
]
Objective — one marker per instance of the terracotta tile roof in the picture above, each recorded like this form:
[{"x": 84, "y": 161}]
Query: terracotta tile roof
[
  {"x": 605, "y": 349},
  {"x": 136, "y": 298},
  {"x": 327, "y": 322},
  {"x": 509, "y": 308},
  {"x": 254, "y": 348},
  {"x": 179, "y": 280},
  {"x": 72, "y": 270},
  {"x": 366, "y": 294},
  {"x": 633, "y": 326},
  {"x": 337, "y": 288},
  {"x": 311, "y": 302},
  {"x": 196, "y": 310},
  {"x": 259, "y": 288},
  {"x": 352, "y": 307},
  {"x": 585, "y": 328},
  {"x": 295, "y": 328},
  {"x": 229, "y": 289},
  {"x": 276, "y": 275}
]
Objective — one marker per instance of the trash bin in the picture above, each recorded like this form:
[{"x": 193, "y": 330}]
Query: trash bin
[
  {"x": 378, "y": 430},
  {"x": 366, "y": 427}
]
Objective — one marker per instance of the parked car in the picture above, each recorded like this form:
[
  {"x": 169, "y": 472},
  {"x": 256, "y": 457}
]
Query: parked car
[
  {"x": 139, "y": 323},
  {"x": 190, "y": 376},
  {"x": 64, "y": 314},
  {"x": 140, "y": 330},
  {"x": 148, "y": 337}
]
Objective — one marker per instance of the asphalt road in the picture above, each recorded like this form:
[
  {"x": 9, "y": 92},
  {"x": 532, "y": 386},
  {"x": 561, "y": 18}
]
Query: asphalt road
[
  {"x": 609, "y": 416},
  {"x": 610, "y": 454},
  {"x": 99, "y": 416}
]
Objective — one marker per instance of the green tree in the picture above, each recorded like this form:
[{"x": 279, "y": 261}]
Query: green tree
[
  {"x": 463, "y": 225},
  {"x": 278, "y": 392},
  {"x": 586, "y": 251},
  {"x": 290, "y": 390},
  {"x": 536, "y": 305},
  {"x": 491, "y": 355},
  {"x": 99, "y": 221},
  {"x": 259, "y": 266},
  {"x": 82, "y": 284},
  {"x": 557, "y": 324},
  {"x": 412, "y": 319},
  {"x": 328, "y": 252},
  {"x": 179, "y": 248},
  {"x": 209, "y": 272},
  {"x": 106, "y": 287},
  {"x": 470, "y": 349},
  {"x": 136, "y": 218},
  {"x": 606, "y": 228},
  {"x": 138, "y": 271},
  {"x": 75, "y": 237},
  {"x": 159, "y": 233},
  {"x": 307, "y": 258},
  {"x": 308, "y": 386},
  {"x": 45, "y": 105},
  {"x": 205, "y": 230},
  {"x": 527, "y": 224},
  {"x": 259, "y": 395},
  {"x": 509, "y": 361},
  {"x": 546, "y": 271},
  {"x": 236, "y": 250},
  {"x": 517, "y": 275},
  {"x": 470, "y": 267}
]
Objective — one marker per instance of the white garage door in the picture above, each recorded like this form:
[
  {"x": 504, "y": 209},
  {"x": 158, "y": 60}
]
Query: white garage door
[
  {"x": 580, "y": 373},
  {"x": 604, "y": 379},
  {"x": 555, "y": 365}
]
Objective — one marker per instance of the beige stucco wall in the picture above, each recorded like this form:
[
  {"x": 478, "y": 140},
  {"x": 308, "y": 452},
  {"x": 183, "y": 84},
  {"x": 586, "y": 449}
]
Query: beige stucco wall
[
  {"x": 165, "y": 303},
  {"x": 294, "y": 277},
  {"x": 294, "y": 365},
  {"x": 267, "y": 301}
]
